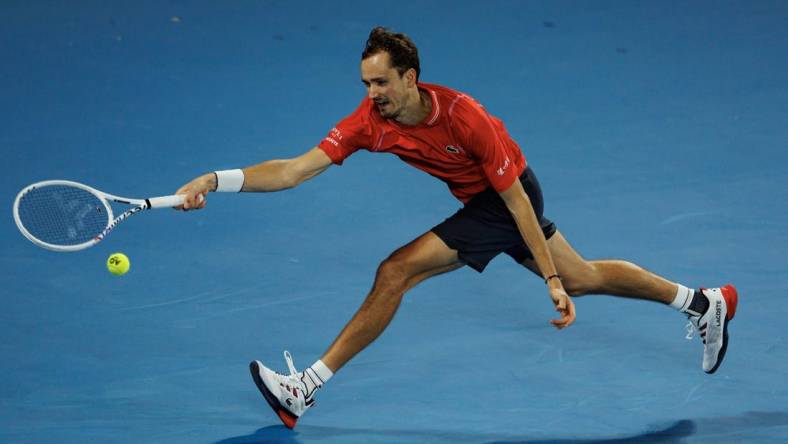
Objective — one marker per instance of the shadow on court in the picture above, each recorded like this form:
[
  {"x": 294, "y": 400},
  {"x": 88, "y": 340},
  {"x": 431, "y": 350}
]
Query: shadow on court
[
  {"x": 280, "y": 434},
  {"x": 673, "y": 433}
]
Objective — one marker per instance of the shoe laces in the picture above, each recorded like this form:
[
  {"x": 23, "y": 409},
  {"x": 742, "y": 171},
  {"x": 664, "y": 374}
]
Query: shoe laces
[
  {"x": 691, "y": 329},
  {"x": 295, "y": 377},
  {"x": 290, "y": 365},
  {"x": 692, "y": 325}
]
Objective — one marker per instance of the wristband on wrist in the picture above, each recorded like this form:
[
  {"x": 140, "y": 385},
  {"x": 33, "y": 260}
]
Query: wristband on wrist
[
  {"x": 229, "y": 181},
  {"x": 552, "y": 276}
]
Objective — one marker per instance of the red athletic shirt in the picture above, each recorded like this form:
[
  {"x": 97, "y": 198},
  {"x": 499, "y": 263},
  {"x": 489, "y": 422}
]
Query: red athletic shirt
[{"x": 459, "y": 143}]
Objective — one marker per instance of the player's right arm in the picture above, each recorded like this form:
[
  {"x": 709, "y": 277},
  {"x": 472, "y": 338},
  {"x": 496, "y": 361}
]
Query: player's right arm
[
  {"x": 268, "y": 176},
  {"x": 348, "y": 136}
]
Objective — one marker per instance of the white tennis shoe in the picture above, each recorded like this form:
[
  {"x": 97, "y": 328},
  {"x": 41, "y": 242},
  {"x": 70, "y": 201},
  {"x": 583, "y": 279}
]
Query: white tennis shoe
[
  {"x": 286, "y": 394},
  {"x": 713, "y": 325}
]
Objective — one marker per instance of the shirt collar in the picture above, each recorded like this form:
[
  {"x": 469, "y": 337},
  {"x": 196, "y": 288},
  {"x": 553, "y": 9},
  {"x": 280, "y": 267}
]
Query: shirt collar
[{"x": 432, "y": 119}]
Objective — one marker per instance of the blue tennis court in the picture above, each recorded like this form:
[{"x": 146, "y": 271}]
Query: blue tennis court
[{"x": 657, "y": 130}]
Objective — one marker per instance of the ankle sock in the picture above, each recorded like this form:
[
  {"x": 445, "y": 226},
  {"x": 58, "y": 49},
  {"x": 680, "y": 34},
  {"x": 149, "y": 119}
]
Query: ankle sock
[
  {"x": 315, "y": 376},
  {"x": 683, "y": 298},
  {"x": 689, "y": 301}
]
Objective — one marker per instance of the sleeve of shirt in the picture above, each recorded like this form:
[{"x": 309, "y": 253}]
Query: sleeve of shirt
[
  {"x": 348, "y": 136},
  {"x": 483, "y": 138}
]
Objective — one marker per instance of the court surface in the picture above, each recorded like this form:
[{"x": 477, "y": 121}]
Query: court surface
[{"x": 657, "y": 130}]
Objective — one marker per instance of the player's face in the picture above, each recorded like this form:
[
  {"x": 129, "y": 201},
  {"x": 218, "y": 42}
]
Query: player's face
[{"x": 385, "y": 86}]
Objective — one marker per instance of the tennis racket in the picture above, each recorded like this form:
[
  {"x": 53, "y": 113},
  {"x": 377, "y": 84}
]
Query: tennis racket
[{"x": 61, "y": 215}]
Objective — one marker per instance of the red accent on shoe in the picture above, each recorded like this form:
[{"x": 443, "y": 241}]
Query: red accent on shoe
[
  {"x": 288, "y": 419},
  {"x": 731, "y": 297}
]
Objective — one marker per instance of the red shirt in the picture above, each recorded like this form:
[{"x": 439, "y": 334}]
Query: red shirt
[{"x": 459, "y": 143}]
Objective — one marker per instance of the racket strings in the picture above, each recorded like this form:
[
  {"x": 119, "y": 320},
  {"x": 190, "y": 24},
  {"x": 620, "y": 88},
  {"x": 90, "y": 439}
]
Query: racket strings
[{"x": 62, "y": 215}]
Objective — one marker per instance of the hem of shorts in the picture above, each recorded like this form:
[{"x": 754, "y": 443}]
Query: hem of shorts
[{"x": 478, "y": 266}]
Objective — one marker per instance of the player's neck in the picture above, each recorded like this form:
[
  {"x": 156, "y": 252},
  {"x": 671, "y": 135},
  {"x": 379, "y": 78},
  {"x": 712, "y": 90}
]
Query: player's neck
[{"x": 419, "y": 107}]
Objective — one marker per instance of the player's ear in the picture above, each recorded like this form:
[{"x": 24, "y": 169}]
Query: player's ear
[{"x": 410, "y": 77}]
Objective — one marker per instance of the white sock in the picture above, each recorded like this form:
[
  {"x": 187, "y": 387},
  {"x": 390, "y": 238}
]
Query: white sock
[
  {"x": 315, "y": 376},
  {"x": 683, "y": 298}
]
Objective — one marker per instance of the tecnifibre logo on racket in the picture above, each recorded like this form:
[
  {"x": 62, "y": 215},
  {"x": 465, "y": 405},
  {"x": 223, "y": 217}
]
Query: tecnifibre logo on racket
[{"x": 118, "y": 220}]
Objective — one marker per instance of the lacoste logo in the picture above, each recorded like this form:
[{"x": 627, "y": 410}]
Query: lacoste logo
[{"x": 718, "y": 312}]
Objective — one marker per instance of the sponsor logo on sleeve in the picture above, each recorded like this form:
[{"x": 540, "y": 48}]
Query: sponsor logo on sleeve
[
  {"x": 502, "y": 169},
  {"x": 334, "y": 136}
]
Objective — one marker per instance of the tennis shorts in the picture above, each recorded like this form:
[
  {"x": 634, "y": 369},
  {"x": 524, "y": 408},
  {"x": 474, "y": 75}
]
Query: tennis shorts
[{"x": 484, "y": 227}]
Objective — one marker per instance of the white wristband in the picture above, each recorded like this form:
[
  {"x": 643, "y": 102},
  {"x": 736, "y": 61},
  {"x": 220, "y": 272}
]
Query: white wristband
[{"x": 229, "y": 181}]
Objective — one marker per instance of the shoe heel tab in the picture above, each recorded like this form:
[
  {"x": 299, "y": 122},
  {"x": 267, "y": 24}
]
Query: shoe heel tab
[{"x": 731, "y": 299}]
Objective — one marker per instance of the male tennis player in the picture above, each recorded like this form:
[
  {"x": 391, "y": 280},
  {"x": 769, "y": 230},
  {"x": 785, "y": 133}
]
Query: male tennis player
[{"x": 450, "y": 136}]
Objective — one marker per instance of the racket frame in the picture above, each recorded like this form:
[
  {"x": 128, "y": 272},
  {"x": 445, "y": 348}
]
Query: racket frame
[{"x": 105, "y": 198}]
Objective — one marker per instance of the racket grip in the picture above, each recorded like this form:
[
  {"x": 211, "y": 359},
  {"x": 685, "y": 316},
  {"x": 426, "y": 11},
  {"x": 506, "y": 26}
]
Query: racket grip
[{"x": 166, "y": 201}]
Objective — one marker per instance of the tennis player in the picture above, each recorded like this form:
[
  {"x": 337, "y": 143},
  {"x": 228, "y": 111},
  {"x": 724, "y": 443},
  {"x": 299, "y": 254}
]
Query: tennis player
[{"x": 450, "y": 136}]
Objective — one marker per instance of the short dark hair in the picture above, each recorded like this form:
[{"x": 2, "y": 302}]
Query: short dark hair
[{"x": 403, "y": 52}]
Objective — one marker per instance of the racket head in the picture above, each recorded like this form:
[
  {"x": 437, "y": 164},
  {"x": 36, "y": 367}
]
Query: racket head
[{"x": 61, "y": 215}]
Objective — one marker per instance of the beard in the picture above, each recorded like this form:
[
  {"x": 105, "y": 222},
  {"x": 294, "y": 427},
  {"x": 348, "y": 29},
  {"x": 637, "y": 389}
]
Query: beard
[{"x": 387, "y": 110}]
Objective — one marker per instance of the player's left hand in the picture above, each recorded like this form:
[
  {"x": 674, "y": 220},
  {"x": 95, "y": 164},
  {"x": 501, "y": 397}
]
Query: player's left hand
[{"x": 564, "y": 306}]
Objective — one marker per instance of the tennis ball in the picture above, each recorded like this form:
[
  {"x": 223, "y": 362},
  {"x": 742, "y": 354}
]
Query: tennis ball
[{"x": 118, "y": 264}]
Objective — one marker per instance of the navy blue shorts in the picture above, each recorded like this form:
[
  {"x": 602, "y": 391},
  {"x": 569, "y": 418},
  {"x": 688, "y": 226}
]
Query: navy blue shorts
[{"x": 484, "y": 227}]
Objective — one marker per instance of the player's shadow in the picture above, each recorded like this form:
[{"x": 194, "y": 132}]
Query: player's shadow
[
  {"x": 672, "y": 433},
  {"x": 281, "y": 435}
]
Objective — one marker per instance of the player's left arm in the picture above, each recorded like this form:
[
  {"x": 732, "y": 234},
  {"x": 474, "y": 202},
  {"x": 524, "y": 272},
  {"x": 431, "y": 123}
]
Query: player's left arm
[
  {"x": 486, "y": 141},
  {"x": 519, "y": 205}
]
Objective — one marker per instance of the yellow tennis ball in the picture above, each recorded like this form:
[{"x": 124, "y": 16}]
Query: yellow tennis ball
[{"x": 118, "y": 264}]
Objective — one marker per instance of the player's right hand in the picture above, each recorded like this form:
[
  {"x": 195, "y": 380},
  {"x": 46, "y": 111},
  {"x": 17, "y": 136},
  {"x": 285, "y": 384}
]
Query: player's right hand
[{"x": 196, "y": 192}]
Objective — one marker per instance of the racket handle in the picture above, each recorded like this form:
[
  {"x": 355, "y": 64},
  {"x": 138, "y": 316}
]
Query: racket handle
[{"x": 166, "y": 201}]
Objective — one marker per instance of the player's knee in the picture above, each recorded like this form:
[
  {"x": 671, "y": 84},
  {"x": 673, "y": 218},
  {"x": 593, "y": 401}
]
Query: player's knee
[
  {"x": 392, "y": 274},
  {"x": 585, "y": 280},
  {"x": 574, "y": 288}
]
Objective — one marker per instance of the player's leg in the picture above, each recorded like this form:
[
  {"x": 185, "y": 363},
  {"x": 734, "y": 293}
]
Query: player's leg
[
  {"x": 709, "y": 310},
  {"x": 610, "y": 277},
  {"x": 423, "y": 258},
  {"x": 291, "y": 395}
]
